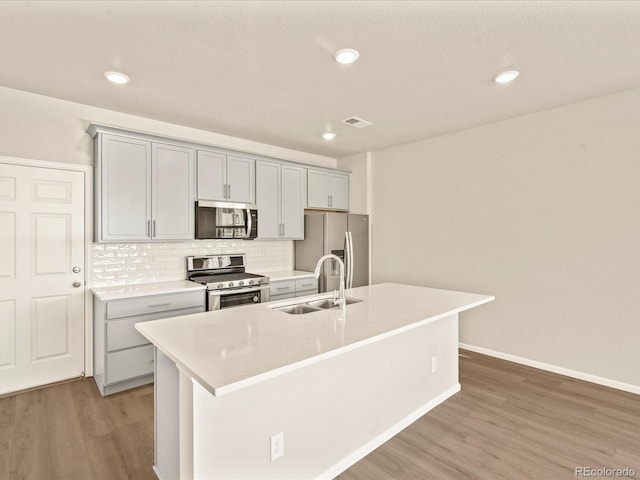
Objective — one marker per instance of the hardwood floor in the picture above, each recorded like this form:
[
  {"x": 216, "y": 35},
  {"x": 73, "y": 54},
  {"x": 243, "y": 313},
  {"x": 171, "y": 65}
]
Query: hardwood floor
[
  {"x": 68, "y": 431},
  {"x": 512, "y": 422},
  {"x": 509, "y": 422}
]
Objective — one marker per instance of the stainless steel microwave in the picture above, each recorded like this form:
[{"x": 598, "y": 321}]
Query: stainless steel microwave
[{"x": 226, "y": 220}]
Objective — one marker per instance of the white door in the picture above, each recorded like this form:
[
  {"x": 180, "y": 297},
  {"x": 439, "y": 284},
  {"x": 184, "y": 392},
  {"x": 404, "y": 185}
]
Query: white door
[{"x": 41, "y": 245}]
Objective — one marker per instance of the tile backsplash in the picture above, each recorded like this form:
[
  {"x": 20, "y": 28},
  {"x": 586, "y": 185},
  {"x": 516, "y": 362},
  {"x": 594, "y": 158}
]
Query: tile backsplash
[{"x": 131, "y": 263}]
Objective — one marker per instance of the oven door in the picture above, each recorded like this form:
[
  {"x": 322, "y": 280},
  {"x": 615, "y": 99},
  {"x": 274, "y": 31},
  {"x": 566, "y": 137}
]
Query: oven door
[{"x": 219, "y": 299}]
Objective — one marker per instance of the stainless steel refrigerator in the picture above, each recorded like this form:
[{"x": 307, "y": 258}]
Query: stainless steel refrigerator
[{"x": 343, "y": 234}]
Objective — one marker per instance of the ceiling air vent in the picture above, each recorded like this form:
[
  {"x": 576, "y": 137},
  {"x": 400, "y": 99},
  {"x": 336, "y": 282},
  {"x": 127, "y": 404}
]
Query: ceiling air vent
[{"x": 356, "y": 122}]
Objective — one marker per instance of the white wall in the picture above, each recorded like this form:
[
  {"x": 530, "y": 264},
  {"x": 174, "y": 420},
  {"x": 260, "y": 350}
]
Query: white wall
[
  {"x": 543, "y": 211},
  {"x": 45, "y": 128}
]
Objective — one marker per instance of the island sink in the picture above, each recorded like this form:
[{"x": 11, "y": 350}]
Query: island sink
[{"x": 310, "y": 306}]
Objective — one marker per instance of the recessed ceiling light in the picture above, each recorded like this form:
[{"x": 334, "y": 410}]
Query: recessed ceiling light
[
  {"x": 328, "y": 135},
  {"x": 117, "y": 77},
  {"x": 506, "y": 77},
  {"x": 346, "y": 56}
]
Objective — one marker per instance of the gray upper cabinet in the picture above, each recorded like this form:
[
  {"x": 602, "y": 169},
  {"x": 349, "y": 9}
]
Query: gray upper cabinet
[
  {"x": 172, "y": 190},
  {"x": 212, "y": 175},
  {"x": 144, "y": 190},
  {"x": 327, "y": 190},
  {"x": 123, "y": 189},
  {"x": 225, "y": 177},
  {"x": 280, "y": 199}
]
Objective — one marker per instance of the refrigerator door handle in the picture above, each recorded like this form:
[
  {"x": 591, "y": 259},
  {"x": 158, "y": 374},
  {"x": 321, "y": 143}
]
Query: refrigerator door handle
[
  {"x": 351, "y": 259},
  {"x": 347, "y": 260}
]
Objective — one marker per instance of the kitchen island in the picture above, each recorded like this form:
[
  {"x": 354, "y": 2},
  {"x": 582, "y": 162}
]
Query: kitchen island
[{"x": 335, "y": 384}]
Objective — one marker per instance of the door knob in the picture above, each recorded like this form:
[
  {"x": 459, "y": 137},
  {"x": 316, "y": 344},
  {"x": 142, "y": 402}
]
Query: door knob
[
  {"x": 76, "y": 284},
  {"x": 76, "y": 269}
]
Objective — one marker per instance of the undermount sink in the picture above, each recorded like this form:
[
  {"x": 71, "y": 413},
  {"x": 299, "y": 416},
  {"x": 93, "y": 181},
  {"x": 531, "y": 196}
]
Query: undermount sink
[
  {"x": 313, "y": 306},
  {"x": 328, "y": 302}
]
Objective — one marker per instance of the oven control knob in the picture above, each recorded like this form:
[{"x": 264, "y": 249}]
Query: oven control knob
[
  {"x": 256, "y": 299},
  {"x": 221, "y": 285},
  {"x": 230, "y": 284},
  {"x": 250, "y": 282},
  {"x": 241, "y": 283}
]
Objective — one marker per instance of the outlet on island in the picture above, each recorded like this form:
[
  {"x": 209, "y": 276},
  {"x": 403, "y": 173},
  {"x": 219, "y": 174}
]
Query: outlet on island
[{"x": 277, "y": 446}]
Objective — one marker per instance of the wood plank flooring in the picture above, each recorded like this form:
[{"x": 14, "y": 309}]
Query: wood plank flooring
[
  {"x": 512, "y": 422},
  {"x": 509, "y": 422},
  {"x": 68, "y": 431}
]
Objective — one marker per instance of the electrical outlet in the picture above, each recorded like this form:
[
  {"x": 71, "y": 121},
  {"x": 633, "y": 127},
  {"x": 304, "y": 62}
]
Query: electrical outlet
[
  {"x": 434, "y": 364},
  {"x": 277, "y": 446}
]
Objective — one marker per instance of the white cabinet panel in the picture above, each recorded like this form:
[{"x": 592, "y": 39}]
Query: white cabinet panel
[
  {"x": 131, "y": 363},
  {"x": 153, "y": 304},
  {"x": 282, "y": 289},
  {"x": 212, "y": 175},
  {"x": 268, "y": 199},
  {"x": 280, "y": 200},
  {"x": 122, "y": 356},
  {"x": 144, "y": 191},
  {"x": 292, "y": 199},
  {"x": 317, "y": 189},
  {"x": 327, "y": 190},
  {"x": 229, "y": 178},
  {"x": 241, "y": 179},
  {"x": 173, "y": 193},
  {"x": 339, "y": 191},
  {"x": 125, "y": 188}
]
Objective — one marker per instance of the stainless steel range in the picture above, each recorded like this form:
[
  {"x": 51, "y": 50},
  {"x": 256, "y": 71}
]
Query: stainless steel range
[{"x": 228, "y": 285}]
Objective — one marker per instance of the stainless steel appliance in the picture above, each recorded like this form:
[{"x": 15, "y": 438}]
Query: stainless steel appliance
[
  {"x": 345, "y": 235},
  {"x": 226, "y": 220},
  {"x": 228, "y": 285}
]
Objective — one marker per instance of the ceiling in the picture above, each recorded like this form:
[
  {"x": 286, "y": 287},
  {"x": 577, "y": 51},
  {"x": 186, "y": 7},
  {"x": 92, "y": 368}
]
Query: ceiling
[{"x": 263, "y": 70}]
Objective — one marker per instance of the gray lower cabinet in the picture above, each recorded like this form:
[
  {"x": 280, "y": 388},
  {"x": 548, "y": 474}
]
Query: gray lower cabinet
[
  {"x": 299, "y": 287},
  {"x": 122, "y": 357}
]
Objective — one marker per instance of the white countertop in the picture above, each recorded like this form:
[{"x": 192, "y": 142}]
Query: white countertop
[
  {"x": 229, "y": 349},
  {"x": 144, "y": 289},
  {"x": 287, "y": 275}
]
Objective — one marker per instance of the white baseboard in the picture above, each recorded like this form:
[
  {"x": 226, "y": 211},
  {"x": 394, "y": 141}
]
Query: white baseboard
[
  {"x": 370, "y": 446},
  {"x": 587, "y": 377}
]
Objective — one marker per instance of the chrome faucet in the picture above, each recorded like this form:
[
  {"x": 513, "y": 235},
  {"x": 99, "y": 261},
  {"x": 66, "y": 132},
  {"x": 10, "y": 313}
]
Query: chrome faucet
[{"x": 341, "y": 300}]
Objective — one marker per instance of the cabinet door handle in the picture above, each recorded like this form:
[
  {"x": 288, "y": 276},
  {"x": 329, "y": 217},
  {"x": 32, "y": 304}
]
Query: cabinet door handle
[
  {"x": 154, "y": 228},
  {"x": 160, "y": 305},
  {"x": 330, "y": 201},
  {"x": 148, "y": 228},
  {"x": 283, "y": 288},
  {"x": 228, "y": 190},
  {"x": 283, "y": 229}
]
